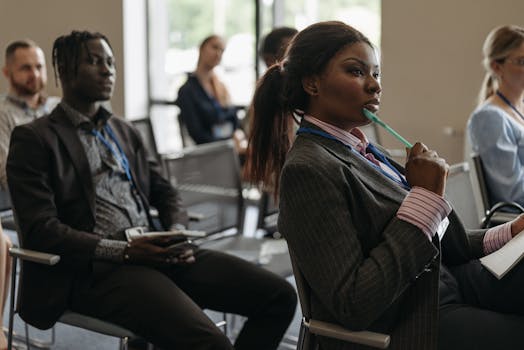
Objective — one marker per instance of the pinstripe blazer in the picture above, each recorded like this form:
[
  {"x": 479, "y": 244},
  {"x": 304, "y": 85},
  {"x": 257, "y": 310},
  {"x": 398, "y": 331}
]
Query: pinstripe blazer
[{"x": 366, "y": 268}]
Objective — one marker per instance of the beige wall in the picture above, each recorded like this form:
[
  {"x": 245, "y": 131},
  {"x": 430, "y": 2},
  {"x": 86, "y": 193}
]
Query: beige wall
[
  {"x": 43, "y": 21},
  {"x": 431, "y": 52}
]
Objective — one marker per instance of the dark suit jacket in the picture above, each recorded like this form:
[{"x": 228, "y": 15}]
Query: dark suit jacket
[
  {"x": 367, "y": 269},
  {"x": 54, "y": 201}
]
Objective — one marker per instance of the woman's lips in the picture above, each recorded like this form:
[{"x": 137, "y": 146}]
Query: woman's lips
[{"x": 372, "y": 107}]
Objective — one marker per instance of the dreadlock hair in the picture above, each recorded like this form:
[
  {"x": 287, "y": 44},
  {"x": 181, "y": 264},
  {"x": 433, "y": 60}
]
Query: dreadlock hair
[{"x": 66, "y": 52}]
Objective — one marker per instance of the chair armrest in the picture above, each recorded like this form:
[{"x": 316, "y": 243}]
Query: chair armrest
[
  {"x": 34, "y": 256},
  {"x": 497, "y": 208},
  {"x": 376, "y": 340}
]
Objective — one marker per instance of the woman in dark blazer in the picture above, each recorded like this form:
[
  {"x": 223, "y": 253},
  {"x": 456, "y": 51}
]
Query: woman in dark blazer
[{"x": 378, "y": 244}]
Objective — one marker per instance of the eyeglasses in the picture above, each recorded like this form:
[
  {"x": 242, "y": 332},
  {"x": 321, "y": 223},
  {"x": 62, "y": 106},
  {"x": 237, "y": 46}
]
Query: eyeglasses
[{"x": 519, "y": 61}]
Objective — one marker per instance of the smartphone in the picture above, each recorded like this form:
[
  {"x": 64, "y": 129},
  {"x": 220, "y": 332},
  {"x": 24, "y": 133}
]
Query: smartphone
[{"x": 180, "y": 247}]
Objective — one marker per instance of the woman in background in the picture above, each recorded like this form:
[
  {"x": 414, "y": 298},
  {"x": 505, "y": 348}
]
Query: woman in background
[
  {"x": 5, "y": 278},
  {"x": 496, "y": 127},
  {"x": 205, "y": 104},
  {"x": 378, "y": 244}
]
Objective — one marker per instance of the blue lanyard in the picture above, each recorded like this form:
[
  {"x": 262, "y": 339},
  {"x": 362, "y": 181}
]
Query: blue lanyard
[
  {"x": 121, "y": 156},
  {"x": 505, "y": 99},
  {"x": 400, "y": 180}
]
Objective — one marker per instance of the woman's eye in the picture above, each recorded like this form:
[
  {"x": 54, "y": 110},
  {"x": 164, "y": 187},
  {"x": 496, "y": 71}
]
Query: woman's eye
[
  {"x": 356, "y": 72},
  {"x": 376, "y": 75}
]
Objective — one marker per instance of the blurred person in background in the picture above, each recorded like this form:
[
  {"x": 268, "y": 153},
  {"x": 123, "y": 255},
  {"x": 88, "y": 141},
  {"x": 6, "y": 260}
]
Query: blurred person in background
[
  {"x": 496, "y": 127},
  {"x": 205, "y": 105}
]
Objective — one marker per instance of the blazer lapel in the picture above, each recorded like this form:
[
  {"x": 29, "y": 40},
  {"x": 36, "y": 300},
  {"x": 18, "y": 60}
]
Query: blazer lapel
[{"x": 67, "y": 133}]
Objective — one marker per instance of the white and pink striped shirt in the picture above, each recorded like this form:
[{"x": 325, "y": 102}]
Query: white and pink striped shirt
[{"x": 421, "y": 207}]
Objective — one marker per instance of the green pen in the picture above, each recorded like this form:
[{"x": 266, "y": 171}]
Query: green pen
[{"x": 377, "y": 120}]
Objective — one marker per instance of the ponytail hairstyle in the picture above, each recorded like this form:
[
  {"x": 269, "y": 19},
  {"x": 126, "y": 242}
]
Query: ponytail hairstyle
[
  {"x": 279, "y": 96},
  {"x": 499, "y": 44}
]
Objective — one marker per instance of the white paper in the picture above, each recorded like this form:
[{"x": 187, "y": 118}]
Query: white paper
[{"x": 503, "y": 260}]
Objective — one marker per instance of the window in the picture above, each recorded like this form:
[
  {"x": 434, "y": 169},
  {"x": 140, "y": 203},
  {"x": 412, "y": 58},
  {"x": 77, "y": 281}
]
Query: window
[{"x": 176, "y": 28}]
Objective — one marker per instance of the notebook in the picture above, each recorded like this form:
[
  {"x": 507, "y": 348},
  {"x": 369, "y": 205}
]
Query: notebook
[{"x": 500, "y": 262}]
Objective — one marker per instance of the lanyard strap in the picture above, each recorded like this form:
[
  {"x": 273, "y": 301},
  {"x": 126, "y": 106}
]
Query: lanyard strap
[
  {"x": 120, "y": 156},
  {"x": 400, "y": 180},
  {"x": 505, "y": 99}
]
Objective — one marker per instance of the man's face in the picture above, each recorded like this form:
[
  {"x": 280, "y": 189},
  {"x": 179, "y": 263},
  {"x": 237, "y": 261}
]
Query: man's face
[
  {"x": 26, "y": 71},
  {"x": 96, "y": 73}
]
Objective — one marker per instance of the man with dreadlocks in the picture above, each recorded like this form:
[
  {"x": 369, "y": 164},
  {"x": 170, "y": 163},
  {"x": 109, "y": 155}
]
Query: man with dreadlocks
[{"x": 79, "y": 177}]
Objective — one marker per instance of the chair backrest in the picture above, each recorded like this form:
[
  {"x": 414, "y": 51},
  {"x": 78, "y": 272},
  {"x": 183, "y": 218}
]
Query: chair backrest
[
  {"x": 187, "y": 140},
  {"x": 460, "y": 193},
  {"x": 480, "y": 179},
  {"x": 5, "y": 202},
  {"x": 145, "y": 129},
  {"x": 208, "y": 179},
  {"x": 303, "y": 289}
]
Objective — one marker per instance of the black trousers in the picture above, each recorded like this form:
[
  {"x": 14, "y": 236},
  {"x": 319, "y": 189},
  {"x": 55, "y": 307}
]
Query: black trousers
[
  {"x": 165, "y": 305},
  {"x": 478, "y": 311}
]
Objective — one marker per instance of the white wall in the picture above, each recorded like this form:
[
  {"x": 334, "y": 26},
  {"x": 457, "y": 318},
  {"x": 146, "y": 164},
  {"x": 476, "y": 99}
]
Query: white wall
[{"x": 431, "y": 52}]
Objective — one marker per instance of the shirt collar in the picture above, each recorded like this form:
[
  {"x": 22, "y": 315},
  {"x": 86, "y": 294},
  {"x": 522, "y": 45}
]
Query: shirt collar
[
  {"x": 20, "y": 102},
  {"x": 81, "y": 120},
  {"x": 354, "y": 138}
]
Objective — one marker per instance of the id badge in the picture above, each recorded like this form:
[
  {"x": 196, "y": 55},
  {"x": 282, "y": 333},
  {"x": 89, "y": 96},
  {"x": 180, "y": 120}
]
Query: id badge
[{"x": 223, "y": 130}]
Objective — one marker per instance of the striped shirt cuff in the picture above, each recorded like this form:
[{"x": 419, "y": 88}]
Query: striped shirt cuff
[
  {"x": 424, "y": 209},
  {"x": 496, "y": 237},
  {"x": 110, "y": 250}
]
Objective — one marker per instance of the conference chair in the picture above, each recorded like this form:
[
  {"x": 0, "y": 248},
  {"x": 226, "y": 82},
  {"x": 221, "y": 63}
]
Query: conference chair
[
  {"x": 6, "y": 214},
  {"x": 500, "y": 212},
  {"x": 145, "y": 128},
  {"x": 69, "y": 317},
  {"x": 460, "y": 193},
  {"x": 310, "y": 328},
  {"x": 208, "y": 179}
]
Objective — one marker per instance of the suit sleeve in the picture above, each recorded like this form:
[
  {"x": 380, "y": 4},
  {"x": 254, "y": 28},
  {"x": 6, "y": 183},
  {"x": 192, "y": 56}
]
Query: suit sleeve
[
  {"x": 33, "y": 198},
  {"x": 356, "y": 283}
]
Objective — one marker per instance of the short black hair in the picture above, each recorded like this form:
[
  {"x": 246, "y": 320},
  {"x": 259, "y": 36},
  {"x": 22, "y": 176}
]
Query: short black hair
[
  {"x": 18, "y": 44},
  {"x": 66, "y": 51},
  {"x": 272, "y": 43}
]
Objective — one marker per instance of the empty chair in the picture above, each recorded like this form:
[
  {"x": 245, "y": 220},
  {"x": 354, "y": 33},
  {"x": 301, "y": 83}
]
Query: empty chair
[
  {"x": 145, "y": 129},
  {"x": 461, "y": 195},
  {"x": 208, "y": 178}
]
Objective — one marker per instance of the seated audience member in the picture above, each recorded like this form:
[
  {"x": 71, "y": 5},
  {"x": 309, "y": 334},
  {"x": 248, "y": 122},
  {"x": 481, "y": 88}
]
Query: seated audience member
[
  {"x": 25, "y": 71},
  {"x": 5, "y": 278},
  {"x": 205, "y": 104},
  {"x": 275, "y": 43},
  {"x": 271, "y": 51},
  {"x": 79, "y": 178},
  {"x": 496, "y": 127},
  {"x": 369, "y": 235}
]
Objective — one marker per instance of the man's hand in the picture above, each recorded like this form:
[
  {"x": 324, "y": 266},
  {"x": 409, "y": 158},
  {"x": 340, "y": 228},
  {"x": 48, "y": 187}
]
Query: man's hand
[
  {"x": 517, "y": 225},
  {"x": 424, "y": 168},
  {"x": 154, "y": 251}
]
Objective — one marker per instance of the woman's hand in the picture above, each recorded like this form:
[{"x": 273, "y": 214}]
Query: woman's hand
[
  {"x": 154, "y": 251},
  {"x": 424, "y": 168},
  {"x": 517, "y": 225}
]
